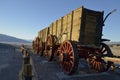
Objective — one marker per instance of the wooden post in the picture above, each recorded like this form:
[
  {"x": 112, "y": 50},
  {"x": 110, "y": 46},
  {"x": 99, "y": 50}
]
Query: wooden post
[
  {"x": 28, "y": 72},
  {"x": 27, "y": 60},
  {"x": 27, "y": 67}
]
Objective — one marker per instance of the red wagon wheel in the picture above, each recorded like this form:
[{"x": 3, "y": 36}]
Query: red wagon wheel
[
  {"x": 96, "y": 62},
  {"x": 69, "y": 57},
  {"x": 51, "y": 39},
  {"x": 41, "y": 47}
]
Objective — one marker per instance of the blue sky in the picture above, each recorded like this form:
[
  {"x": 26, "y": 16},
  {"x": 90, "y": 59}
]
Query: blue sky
[{"x": 24, "y": 18}]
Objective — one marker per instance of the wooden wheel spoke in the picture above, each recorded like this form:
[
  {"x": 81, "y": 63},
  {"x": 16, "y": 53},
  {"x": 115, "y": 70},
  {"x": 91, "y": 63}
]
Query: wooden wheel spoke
[
  {"x": 103, "y": 51},
  {"x": 67, "y": 46},
  {"x": 91, "y": 61},
  {"x": 97, "y": 66},
  {"x": 100, "y": 66},
  {"x": 71, "y": 63},
  {"x": 71, "y": 57},
  {"x": 64, "y": 47},
  {"x": 94, "y": 66},
  {"x": 71, "y": 53},
  {"x": 70, "y": 49},
  {"x": 101, "y": 48}
]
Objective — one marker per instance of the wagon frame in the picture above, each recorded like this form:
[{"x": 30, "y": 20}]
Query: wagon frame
[{"x": 76, "y": 35}]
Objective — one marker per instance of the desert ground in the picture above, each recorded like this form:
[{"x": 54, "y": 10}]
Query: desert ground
[
  {"x": 115, "y": 49},
  {"x": 11, "y": 61},
  {"x": 46, "y": 70}
]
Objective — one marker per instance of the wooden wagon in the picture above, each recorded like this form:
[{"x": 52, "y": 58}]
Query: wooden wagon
[{"x": 76, "y": 35}]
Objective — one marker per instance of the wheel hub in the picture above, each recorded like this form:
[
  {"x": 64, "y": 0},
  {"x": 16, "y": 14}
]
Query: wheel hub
[
  {"x": 66, "y": 57},
  {"x": 48, "y": 47}
]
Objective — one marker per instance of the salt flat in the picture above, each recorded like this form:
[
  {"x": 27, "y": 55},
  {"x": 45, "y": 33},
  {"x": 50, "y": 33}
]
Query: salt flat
[{"x": 10, "y": 62}]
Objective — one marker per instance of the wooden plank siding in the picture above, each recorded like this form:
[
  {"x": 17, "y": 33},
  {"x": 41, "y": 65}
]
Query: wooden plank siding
[
  {"x": 81, "y": 25},
  {"x": 54, "y": 28},
  {"x": 76, "y": 24},
  {"x": 59, "y": 29},
  {"x": 43, "y": 34}
]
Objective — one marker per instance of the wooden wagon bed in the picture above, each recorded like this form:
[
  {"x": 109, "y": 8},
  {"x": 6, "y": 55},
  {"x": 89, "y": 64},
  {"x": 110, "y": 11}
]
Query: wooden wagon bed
[{"x": 81, "y": 25}]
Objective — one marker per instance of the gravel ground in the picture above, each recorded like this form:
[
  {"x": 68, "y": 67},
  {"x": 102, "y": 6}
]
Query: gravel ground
[
  {"x": 10, "y": 62},
  {"x": 45, "y": 70},
  {"x": 115, "y": 50},
  {"x": 52, "y": 71}
]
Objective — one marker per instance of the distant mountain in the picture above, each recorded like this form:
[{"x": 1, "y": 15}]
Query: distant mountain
[
  {"x": 9, "y": 39},
  {"x": 30, "y": 40},
  {"x": 113, "y": 43}
]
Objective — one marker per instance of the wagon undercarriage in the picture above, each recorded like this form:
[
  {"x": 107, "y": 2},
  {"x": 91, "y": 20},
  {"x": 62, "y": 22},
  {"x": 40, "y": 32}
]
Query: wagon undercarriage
[{"x": 69, "y": 53}]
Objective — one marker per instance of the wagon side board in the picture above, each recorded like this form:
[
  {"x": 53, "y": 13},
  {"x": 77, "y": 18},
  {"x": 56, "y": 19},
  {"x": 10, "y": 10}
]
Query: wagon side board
[{"x": 81, "y": 25}]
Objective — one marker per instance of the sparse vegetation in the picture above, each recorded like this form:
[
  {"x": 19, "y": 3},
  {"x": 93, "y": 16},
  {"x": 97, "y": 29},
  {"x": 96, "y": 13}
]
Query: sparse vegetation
[
  {"x": 117, "y": 44},
  {"x": 115, "y": 48}
]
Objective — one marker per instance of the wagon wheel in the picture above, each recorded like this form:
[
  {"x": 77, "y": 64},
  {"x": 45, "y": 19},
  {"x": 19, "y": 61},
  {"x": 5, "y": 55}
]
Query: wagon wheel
[
  {"x": 105, "y": 50},
  {"x": 41, "y": 47},
  {"x": 69, "y": 57},
  {"x": 33, "y": 45},
  {"x": 37, "y": 45},
  {"x": 51, "y": 39},
  {"x": 96, "y": 62}
]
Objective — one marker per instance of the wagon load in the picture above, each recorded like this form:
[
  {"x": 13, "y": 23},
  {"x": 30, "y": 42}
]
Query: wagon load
[{"x": 76, "y": 35}]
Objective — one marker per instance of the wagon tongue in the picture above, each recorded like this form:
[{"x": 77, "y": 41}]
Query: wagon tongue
[{"x": 115, "y": 60}]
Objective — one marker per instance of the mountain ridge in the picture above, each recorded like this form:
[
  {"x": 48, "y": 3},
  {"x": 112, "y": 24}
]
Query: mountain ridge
[{"x": 7, "y": 38}]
